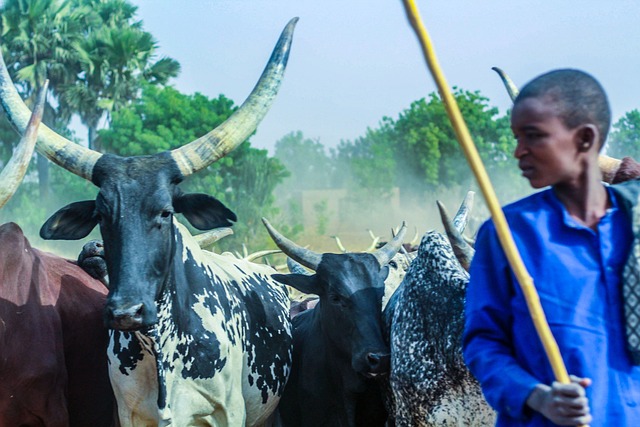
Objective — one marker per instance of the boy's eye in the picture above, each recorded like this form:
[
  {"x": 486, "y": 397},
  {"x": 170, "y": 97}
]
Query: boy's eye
[{"x": 529, "y": 137}]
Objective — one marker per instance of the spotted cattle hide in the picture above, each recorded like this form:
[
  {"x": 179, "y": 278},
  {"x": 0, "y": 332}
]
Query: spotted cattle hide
[
  {"x": 429, "y": 384},
  {"x": 220, "y": 352}
]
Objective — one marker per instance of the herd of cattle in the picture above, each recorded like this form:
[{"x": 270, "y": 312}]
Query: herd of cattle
[{"x": 177, "y": 335}]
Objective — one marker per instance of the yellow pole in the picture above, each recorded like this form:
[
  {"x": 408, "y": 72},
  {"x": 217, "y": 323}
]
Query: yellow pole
[{"x": 504, "y": 234}]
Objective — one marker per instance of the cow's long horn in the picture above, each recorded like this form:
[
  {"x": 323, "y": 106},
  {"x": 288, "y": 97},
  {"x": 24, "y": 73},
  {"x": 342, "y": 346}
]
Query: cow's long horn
[
  {"x": 254, "y": 256},
  {"x": 14, "y": 171},
  {"x": 388, "y": 251},
  {"x": 463, "y": 250},
  {"x": 608, "y": 165},
  {"x": 512, "y": 89},
  {"x": 71, "y": 156},
  {"x": 462, "y": 216},
  {"x": 205, "y": 150},
  {"x": 304, "y": 256},
  {"x": 208, "y": 238}
]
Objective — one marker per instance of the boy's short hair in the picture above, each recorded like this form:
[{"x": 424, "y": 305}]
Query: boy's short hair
[{"x": 579, "y": 96}]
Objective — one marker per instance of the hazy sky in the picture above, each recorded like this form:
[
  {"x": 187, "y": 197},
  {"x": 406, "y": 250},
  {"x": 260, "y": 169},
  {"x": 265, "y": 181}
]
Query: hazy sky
[{"x": 355, "y": 61}]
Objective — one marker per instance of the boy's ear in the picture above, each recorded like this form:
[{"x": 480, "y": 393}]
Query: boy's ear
[
  {"x": 587, "y": 137},
  {"x": 203, "y": 211},
  {"x": 302, "y": 282},
  {"x": 72, "y": 222}
]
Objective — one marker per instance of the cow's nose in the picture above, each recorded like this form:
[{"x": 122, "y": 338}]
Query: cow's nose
[
  {"x": 379, "y": 363},
  {"x": 127, "y": 318}
]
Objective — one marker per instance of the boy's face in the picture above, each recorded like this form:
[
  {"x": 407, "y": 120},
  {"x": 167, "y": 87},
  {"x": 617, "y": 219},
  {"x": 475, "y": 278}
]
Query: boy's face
[{"x": 547, "y": 151}]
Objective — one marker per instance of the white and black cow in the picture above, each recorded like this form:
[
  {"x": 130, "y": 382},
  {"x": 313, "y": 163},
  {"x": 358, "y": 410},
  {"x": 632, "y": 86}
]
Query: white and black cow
[
  {"x": 338, "y": 347},
  {"x": 429, "y": 384},
  {"x": 199, "y": 339}
]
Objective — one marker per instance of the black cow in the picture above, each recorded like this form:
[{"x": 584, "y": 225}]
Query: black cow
[
  {"x": 200, "y": 339},
  {"x": 338, "y": 348}
]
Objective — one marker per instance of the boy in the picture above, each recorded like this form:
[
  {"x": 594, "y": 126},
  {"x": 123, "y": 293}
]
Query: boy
[{"x": 575, "y": 238}]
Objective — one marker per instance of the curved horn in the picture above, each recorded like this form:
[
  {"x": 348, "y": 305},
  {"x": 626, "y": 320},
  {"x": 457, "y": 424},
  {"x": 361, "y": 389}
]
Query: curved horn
[
  {"x": 207, "y": 239},
  {"x": 304, "y": 256},
  {"x": 205, "y": 150},
  {"x": 71, "y": 156},
  {"x": 339, "y": 244},
  {"x": 374, "y": 241},
  {"x": 388, "y": 251},
  {"x": 609, "y": 167},
  {"x": 462, "y": 216},
  {"x": 14, "y": 171},
  {"x": 463, "y": 251},
  {"x": 416, "y": 238},
  {"x": 254, "y": 256},
  {"x": 512, "y": 89}
]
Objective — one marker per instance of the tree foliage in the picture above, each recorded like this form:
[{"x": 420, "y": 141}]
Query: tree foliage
[
  {"x": 368, "y": 166},
  {"x": 38, "y": 44},
  {"x": 115, "y": 57},
  {"x": 625, "y": 137},
  {"x": 427, "y": 147},
  {"x": 306, "y": 160},
  {"x": 418, "y": 152}
]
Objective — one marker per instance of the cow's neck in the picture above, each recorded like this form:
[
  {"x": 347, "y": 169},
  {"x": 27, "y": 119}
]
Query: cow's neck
[{"x": 338, "y": 362}]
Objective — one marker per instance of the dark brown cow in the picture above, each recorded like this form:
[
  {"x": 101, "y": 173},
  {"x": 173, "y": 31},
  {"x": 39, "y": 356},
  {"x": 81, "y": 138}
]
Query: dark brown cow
[{"x": 53, "y": 364}]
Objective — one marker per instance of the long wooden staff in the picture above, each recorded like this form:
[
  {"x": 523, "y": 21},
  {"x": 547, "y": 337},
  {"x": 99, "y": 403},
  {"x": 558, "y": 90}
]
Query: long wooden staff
[{"x": 504, "y": 234}]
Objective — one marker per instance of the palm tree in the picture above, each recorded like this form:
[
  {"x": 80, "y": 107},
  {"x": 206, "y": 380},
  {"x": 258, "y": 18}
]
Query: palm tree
[
  {"x": 38, "y": 38},
  {"x": 115, "y": 57}
]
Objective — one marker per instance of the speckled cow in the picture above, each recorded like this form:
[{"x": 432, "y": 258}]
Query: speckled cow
[
  {"x": 220, "y": 352},
  {"x": 429, "y": 384}
]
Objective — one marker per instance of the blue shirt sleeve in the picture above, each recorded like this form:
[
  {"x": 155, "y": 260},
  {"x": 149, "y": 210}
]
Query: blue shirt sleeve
[{"x": 488, "y": 337}]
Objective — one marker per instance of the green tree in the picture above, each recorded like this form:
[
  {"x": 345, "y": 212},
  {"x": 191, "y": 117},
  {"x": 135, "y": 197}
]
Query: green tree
[
  {"x": 115, "y": 57},
  {"x": 164, "y": 119},
  {"x": 418, "y": 152},
  {"x": 428, "y": 151},
  {"x": 306, "y": 160},
  {"x": 367, "y": 166},
  {"x": 38, "y": 44},
  {"x": 625, "y": 136}
]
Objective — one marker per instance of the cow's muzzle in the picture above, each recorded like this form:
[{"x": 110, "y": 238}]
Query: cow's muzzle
[
  {"x": 377, "y": 364},
  {"x": 127, "y": 317}
]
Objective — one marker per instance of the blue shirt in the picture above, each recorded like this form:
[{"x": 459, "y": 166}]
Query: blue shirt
[{"x": 577, "y": 273}]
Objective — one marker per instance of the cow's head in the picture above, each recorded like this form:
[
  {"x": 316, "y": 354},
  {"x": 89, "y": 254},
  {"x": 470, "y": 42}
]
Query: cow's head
[
  {"x": 350, "y": 287},
  {"x": 139, "y": 195}
]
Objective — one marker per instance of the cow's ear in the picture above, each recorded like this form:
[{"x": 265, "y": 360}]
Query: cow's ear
[
  {"x": 203, "y": 211},
  {"x": 302, "y": 282},
  {"x": 384, "y": 272},
  {"x": 72, "y": 222}
]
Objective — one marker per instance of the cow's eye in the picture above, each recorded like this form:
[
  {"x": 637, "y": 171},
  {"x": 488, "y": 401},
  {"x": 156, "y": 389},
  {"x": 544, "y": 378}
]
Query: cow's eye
[
  {"x": 335, "y": 299},
  {"x": 393, "y": 264},
  {"x": 165, "y": 213}
]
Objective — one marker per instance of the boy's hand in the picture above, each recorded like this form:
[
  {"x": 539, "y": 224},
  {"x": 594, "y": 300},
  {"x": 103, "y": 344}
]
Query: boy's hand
[{"x": 564, "y": 404}]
